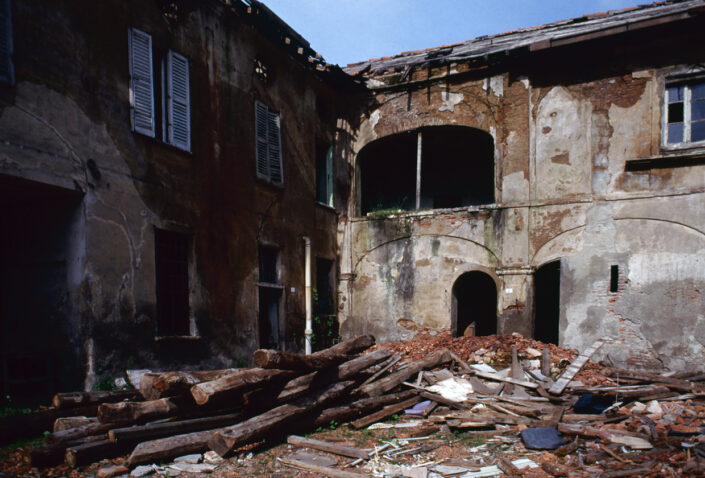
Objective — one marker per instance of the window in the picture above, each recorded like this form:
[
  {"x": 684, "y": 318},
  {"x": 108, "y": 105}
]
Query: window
[
  {"x": 268, "y": 144},
  {"x": 614, "y": 278},
  {"x": 171, "y": 251},
  {"x": 269, "y": 295},
  {"x": 324, "y": 173},
  {"x": 325, "y": 323},
  {"x": 7, "y": 70},
  {"x": 685, "y": 114},
  {"x": 433, "y": 167},
  {"x": 173, "y": 90}
]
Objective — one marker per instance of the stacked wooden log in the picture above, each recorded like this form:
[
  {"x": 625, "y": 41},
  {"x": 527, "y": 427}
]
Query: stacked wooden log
[{"x": 181, "y": 412}]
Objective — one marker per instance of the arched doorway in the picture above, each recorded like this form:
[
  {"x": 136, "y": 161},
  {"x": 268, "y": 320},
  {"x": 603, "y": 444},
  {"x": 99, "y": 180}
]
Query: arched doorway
[
  {"x": 547, "y": 293},
  {"x": 474, "y": 302}
]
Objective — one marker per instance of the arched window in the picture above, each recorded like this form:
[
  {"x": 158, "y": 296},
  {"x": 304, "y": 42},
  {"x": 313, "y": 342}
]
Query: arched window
[{"x": 429, "y": 168}]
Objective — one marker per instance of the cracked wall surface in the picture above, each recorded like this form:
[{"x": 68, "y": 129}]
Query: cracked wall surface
[
  {"x": 564, "y": 138},
  {"x": 65, "y": 124}
]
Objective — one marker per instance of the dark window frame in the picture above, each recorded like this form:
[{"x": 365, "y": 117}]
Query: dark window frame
[{"x": 172, "y": 253}]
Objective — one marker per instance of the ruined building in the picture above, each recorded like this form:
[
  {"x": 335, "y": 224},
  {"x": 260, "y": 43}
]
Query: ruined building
[
  {"x": 551, "y": 183},
  {"x": 159, "y": 164},
  {"x": 164, "y": 164}
]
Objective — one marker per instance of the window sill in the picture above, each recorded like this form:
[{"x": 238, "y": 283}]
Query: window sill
[
  {"x": 669, "y": 158},
  {"x": 325, "y": 206},
  {"x": 271, "y": 285},
  {"x": 266, "y": 182},
  {"x": 156, "y": 141},
  {"x": 372, "y": 215},
  {"x": 177, "y": 338}
]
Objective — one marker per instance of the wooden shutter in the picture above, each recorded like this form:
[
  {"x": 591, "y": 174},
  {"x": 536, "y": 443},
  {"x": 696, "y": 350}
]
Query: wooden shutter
[
  {"x": 141, "y": 82},
  {"x": 178, "y": 102},
  {"x": 276, "y": 175},
  {"x": 7, "y": 73},
  {"x": 261, "y": 140}
]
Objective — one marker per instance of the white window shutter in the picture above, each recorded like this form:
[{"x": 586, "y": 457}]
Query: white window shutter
[
  {"x": 178, "y": 102},
  {"x": 329, "y": 176},
  {"x": 261, "y": 140},
  {"x": 7, "y": 70},
  {"x": 276, "y": 175},
  {"x": 141, "y": 82}
]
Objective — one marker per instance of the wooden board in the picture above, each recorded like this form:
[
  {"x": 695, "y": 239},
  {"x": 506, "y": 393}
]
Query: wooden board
[{"x": 573, "y": 369}]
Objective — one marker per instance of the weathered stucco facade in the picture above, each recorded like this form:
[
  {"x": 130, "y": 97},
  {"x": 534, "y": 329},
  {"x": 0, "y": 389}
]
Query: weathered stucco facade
[
  {"x": 516, "y": 183},
  {"x": 581, "y": 173},
  {"x": 84, "y": 195}
]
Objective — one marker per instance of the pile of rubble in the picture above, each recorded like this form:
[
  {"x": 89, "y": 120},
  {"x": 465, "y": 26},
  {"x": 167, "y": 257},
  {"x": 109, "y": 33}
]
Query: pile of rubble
[{"x": 534, "y": 410}]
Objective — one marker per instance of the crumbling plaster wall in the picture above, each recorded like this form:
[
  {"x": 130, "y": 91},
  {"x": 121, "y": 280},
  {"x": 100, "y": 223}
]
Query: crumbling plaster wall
[
  {"x": 563, "y": 192},
  {"x": 70, "y": 105}
]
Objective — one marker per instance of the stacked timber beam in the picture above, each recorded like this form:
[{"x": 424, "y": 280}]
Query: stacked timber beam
[{"x": 180, "y": 412}]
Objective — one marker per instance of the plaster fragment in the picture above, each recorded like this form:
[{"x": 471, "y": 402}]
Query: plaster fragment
[
  {"x": 450, "y": 100},
  {"x": 497, "y": 85}
]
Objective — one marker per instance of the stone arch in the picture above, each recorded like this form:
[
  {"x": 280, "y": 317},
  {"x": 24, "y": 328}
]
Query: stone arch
[{"x": 411, "y": 278}]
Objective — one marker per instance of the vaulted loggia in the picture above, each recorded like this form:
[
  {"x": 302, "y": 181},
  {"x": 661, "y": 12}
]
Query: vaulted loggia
[{"x": 429, "y": 168}]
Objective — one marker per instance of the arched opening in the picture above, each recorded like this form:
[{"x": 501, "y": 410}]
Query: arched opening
[
  {"x": 474, "y": 310},
  {"x": 428, "y": 168},
  {"x": 547, "y": 294}
]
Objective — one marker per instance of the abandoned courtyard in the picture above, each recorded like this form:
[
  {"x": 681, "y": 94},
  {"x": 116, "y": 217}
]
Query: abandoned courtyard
[{"x": 223, "y": 255}]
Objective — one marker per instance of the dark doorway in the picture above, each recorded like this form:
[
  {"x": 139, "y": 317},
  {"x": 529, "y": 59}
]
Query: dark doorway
[
  {"x": 40, "y": 341},
  {"x": 270, "y": 293},
  {"x": 325, "y": 323},
  {"x": 474, "y": 309},
  {"x": 547, "y": 287}
]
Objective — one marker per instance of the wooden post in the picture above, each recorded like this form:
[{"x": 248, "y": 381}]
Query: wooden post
[
  {"x": 546, "y": 362},
  {"x": 419, "y": 149}
]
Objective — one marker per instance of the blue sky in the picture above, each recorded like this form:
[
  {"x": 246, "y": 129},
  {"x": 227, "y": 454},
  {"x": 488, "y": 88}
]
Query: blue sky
[{"x": 347, "y": 31}]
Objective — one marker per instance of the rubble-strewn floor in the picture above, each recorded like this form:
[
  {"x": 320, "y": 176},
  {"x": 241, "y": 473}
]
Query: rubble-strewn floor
[{"x": 654, "y": 426}]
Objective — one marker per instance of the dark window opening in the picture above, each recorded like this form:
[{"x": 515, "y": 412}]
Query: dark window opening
[
  {"x": 324, "y": 173},
  {"x": 40, "y": 340},
  {"x": 614, "y": 278},
  {"x": 325, "y": 323},
  {"x": 547, "y": 293},
  {"x": 269, "y": 295},
  {"x": 269, "y": 299},
  {"x": 388, "y": 173},
  {"x": 172, "y": 252},
  {"x": 268, "y": 264},
  {"x": 474, "y": 309},
  {"x": 456, "y": 169}
]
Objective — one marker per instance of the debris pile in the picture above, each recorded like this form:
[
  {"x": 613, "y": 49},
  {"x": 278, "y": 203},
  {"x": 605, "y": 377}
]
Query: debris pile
[{"x": 535, "y": 409}]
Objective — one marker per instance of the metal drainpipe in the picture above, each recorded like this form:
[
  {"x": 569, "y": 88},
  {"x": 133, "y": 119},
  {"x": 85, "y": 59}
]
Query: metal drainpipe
[{"x": 309, "y": 329}]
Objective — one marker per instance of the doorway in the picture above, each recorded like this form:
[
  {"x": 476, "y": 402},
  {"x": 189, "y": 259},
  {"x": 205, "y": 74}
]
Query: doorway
[
  {"x": 474, "y": 307},
  {"x": 547, "y": 287},
  {"x": 40, "y": 344},
  {"x": 270, "y": 294}
]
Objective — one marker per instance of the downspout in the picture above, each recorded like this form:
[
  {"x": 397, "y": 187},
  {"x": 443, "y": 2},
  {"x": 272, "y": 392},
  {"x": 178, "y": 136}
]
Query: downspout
[{"x": 309, "y": 329}]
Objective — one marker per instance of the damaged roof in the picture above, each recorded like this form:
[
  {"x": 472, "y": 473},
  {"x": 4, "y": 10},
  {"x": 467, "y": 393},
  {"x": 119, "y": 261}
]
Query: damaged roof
[
  {"x": 270, "y": 25},
  {"x": 537, "y": 38}
]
